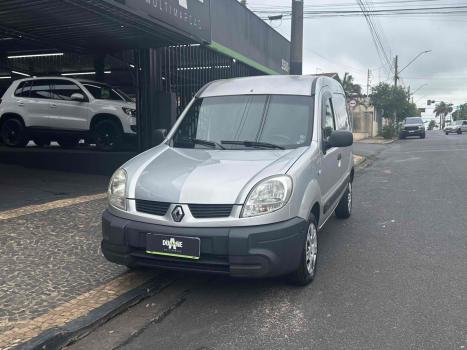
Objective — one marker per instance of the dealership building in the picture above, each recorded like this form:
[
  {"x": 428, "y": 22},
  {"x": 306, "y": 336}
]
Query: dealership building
[{"x": 159, "y": 51}]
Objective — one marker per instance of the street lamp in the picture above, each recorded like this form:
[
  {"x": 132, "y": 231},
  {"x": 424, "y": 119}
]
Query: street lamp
[
  {"x": 413, "y": 60},
  {"x": 419, "y": 88},
  {"x": 396, "y": 69}
]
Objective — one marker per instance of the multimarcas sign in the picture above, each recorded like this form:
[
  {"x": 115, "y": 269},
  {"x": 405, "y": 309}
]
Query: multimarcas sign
[{"x": 190, "y": 16}]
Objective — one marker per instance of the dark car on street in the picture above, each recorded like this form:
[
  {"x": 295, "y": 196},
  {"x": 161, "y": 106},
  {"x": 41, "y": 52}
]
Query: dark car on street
[{"x": 412, "y": 126}]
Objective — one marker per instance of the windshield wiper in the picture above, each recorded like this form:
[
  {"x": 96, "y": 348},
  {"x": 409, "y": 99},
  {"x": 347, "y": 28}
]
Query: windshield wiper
[
  {"x": 252, "y": 144},
  {"x": 204, "y": 143}
]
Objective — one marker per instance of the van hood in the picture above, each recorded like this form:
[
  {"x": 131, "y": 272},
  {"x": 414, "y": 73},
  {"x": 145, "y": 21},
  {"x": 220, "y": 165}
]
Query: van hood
[{"x": 185, "y": 176}]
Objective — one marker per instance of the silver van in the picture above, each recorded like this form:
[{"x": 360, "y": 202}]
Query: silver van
[{"x": 241, "y": 185}]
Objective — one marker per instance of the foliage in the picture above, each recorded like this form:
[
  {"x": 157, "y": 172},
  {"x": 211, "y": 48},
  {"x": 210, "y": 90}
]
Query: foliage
[
  {"x": 388, "y": 131},
  {"x": 432, "y": 125},
  {"x": 441, "y": 110},
  {"x": 350, "y": 88},
  {"x": 460, "y": 114},
  {"x": 393, "y": 102}
]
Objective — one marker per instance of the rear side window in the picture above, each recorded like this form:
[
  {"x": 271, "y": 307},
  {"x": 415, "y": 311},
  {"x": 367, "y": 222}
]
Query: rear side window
[
  {"x": 41, "y": 89},
  {"x": 340, "y": 109},
  {"x": 23, "y": 89},
  {"x": 63, "y": 89}
]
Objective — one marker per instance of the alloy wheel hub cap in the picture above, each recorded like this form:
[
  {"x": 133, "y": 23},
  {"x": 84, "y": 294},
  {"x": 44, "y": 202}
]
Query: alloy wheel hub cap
[{"x": 311, "y": 251}]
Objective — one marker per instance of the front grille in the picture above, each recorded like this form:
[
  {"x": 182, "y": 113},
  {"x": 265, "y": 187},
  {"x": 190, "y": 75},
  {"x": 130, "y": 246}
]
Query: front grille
[
  {"x": 150, "y": 207},
  {"x": 408, "y": 128},
  {"x": 203, "y": 211}
]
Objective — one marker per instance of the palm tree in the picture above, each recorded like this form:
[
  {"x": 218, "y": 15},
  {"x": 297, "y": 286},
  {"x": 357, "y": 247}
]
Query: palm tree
[
  {"x": 441, "y": 110},
  {"x": 350, "y": 88}
]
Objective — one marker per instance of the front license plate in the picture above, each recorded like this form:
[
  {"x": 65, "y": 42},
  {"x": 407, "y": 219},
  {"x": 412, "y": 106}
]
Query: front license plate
[{"x": 176, "y": 246}]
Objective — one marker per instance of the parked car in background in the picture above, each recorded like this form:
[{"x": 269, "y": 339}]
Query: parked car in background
[
  {"x": 240, "y": 186},
  {"x": 65, "y": 110},
  {"x": 412, "y": 126},
  {"x": 458, "y": 127}
]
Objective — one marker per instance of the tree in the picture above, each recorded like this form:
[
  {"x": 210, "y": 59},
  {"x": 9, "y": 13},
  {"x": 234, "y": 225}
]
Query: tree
[
  {"x": 393, "y": 102},
  {"x": 350, "y": 88},
  {"x": 432, "y": 125},
  {"x": 441, "y": 110}
]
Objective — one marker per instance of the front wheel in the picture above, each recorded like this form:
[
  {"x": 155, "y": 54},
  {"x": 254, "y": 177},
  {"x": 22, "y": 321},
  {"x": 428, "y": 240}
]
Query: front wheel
[
  {"x": 422, "y": 136},
  {"x": 344, "y": 208},
  {"x": 306, "y": 271},
  {"x": 447, "y": 133},
  {"x": 459, "y": 132},
  {"x": 14, "y": 133},
  {"x": 108, "y": 135}
]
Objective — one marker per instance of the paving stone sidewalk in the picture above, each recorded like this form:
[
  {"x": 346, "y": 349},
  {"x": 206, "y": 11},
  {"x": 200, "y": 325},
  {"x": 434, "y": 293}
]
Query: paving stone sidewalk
[{"x": 52, "y": 270}]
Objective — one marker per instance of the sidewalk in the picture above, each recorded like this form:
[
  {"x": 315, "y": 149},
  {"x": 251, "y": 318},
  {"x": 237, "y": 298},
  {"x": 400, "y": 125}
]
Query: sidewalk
[{"x": 52, "y": 270}]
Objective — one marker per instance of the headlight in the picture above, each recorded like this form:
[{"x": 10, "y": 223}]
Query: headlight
[
  {"x": 267, "y": 196},
  {"x": 129, "y": 111},
  {"x": 117, "y": 190}
]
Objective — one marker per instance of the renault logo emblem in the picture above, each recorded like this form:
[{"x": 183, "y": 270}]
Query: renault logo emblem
[{"x": 178, "y": 213}]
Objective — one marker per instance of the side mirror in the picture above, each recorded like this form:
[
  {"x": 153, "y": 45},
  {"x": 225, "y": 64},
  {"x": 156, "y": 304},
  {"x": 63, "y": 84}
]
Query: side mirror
[
  {"x": 78, "y": 97},
  {"x": 340, "y": 138},
  {"x": 158, "y": 136}
]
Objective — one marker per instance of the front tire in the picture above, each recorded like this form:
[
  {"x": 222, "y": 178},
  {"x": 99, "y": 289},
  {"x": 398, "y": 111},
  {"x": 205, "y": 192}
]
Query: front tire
[
  {"x": 459, "y": 132},
  {"x": 305, "y": 273},
  {"x": 14, "y": 133},
  {"x": 344, "y": 208},
  {"x": 107, "y": 135},
  {"x": 447, "y": 133},
  {"x": 422, "y": 136}
]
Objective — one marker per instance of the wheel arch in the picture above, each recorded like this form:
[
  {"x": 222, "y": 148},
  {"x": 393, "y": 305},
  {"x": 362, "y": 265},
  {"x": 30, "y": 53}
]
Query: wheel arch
[
  {"x": 11, "y": 115},
  {"x": 105, "y": 116}
]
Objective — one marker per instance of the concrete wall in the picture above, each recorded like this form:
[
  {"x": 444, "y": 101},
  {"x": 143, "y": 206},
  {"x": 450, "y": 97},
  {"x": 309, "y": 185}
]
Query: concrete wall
[{"x": 364, "y": 119}]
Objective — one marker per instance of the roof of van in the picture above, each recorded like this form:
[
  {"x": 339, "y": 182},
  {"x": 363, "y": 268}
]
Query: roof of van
[{"x": 262, "y": 85}]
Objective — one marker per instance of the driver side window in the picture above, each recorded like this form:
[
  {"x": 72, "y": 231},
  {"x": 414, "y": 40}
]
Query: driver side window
[{"x": 328, "y": 124}]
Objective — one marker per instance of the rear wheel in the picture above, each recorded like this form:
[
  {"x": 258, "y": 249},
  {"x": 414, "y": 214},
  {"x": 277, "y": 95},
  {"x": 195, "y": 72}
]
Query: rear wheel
[
  {"x": 107, "y": 135},
  {"x": 344, "y": 208},
  {"x": 68, "y": 142},
  {"x": 447, "y": 133},
  {"x": 459, "y": 131},
  {"x": 307, "y": 269},
  {"x": 14, "y": 133},
  {"x": 41, "y": 141}
]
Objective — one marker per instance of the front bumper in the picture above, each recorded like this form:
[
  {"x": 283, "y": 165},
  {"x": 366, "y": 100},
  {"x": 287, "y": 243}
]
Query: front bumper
[
  {"x": 412, "y": 132},
  {"x": 255, "y": 251}
]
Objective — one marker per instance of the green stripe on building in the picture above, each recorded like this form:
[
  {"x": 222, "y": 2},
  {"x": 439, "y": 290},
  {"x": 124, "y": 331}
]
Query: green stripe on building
[{"x": 238, "y": 56}]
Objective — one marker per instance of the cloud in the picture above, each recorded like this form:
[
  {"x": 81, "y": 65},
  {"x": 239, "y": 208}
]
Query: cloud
[{"x": 344, "y": 45}]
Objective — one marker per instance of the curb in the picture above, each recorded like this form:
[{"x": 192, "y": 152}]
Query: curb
[
  {"x": 57, "y": 338},
  {"x": 385, "y": 142}
]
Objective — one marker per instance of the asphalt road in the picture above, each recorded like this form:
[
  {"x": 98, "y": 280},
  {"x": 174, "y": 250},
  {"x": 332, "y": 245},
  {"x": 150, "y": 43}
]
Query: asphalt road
[{"x": 393, "y": 276}]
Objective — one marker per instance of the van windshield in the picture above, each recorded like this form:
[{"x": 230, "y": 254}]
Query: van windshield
[{"x": 247, "y": 121}]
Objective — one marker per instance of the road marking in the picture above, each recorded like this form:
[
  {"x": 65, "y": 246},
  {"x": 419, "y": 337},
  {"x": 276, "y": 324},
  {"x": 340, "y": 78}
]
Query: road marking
[
  {"x": 25, "y": 330},
  {"x": 37, "y": 208}
]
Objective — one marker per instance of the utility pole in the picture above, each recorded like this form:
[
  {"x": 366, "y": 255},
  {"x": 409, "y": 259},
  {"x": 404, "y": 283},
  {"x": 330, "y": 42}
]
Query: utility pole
[
  {"x": 296, "y": 45},
  {"x": 396, "y": 71},
  {"x": 368, "y": 80}
]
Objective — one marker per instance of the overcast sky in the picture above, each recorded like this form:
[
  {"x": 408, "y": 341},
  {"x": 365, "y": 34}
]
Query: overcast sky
[{"x": 341, "y": 45}]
